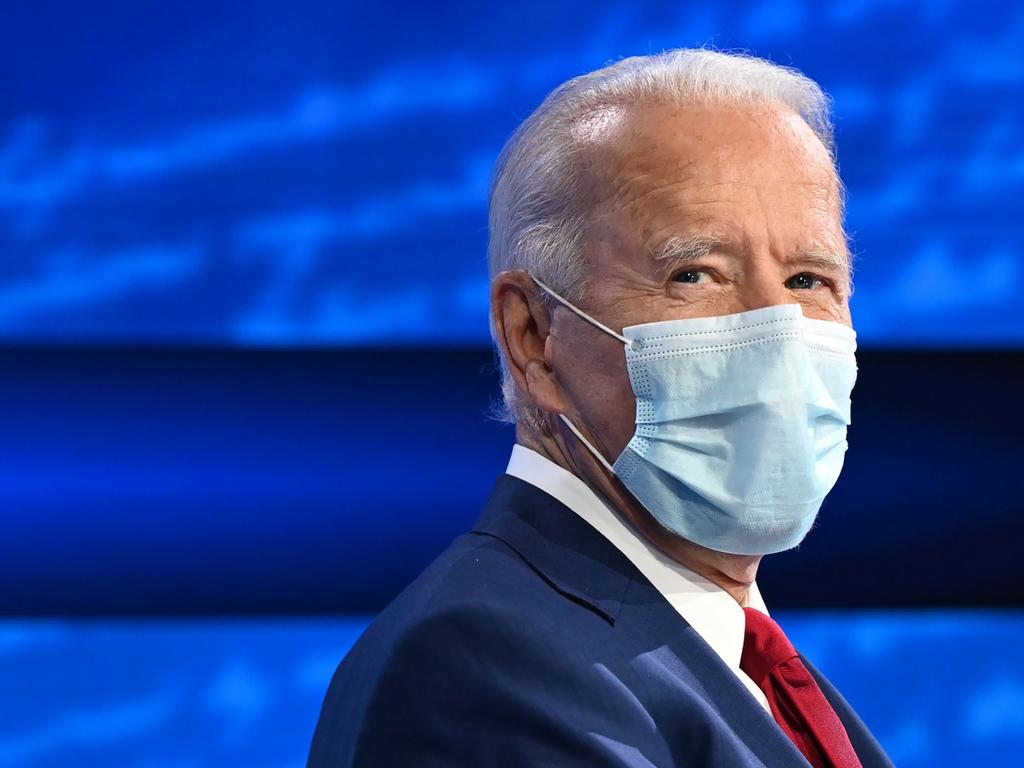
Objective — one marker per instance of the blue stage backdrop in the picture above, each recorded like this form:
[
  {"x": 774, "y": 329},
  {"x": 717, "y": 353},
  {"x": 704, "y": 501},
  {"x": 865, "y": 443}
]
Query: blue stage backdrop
[
  {"x": 315, "y": 172},
  {"x": 244, "y": 363},
  {"x": 210, "y": 694}
]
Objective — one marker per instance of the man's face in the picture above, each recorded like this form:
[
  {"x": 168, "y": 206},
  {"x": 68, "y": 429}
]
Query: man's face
[{"x": 695, "y": 212}]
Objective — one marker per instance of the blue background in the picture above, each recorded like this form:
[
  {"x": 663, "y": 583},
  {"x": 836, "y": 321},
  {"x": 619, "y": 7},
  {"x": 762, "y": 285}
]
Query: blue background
[
  {"x": 245, "y": 693},
  {"x": 244, "y": 363},
  {"x": 316, "y": 172}
]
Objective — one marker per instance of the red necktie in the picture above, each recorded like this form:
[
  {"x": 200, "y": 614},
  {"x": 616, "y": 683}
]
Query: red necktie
[{"x": 796, "y": 701}]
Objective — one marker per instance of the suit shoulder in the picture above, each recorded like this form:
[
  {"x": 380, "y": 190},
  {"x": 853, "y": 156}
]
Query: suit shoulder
[
  {"x": 477, "y": 574},
  {"x": 476, "y": 626},
  {"x": 470, "y": 677}
]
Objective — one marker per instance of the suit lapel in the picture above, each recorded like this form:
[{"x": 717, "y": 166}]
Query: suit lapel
[
  {"x": 752, "y": 724},
  {"x": 581, "y": 564},
  {"x": 559, "y": 545}
]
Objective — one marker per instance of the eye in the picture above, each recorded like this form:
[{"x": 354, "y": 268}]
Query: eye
[
  {"x": 805, "y": 281},
  {"x": 694, "y": 276}
]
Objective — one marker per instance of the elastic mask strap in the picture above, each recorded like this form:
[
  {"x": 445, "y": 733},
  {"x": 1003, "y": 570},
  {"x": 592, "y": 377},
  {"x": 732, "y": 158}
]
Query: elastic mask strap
[
  {"x": 581, "y": 313},
  {"x": 593, "y": 450},
  {"x": 610, "y": 332}
]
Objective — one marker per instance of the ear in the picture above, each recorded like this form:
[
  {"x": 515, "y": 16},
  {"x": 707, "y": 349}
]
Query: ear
[{"x": 522, "y": 324}]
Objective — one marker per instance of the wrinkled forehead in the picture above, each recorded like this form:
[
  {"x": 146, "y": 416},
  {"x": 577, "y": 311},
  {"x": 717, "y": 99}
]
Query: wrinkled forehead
[
  {"x": 656, "y": 163},
  {"x": 663, "y": 142}
]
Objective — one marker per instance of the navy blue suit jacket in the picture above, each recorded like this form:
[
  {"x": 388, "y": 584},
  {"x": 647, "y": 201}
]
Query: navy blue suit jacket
[{"x": 532, "y": 641}]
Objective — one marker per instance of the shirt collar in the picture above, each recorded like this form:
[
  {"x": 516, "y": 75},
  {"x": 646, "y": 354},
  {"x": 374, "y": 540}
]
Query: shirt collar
[{"x": 708, "y": 608}]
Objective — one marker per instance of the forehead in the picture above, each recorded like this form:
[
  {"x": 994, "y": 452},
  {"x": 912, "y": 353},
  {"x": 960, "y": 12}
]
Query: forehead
[
  {"x": 664, "y": 139},
  {"x": 720, "y": 167}
]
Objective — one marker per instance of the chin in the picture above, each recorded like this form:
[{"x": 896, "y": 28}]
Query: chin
[{"x": 739, "y": 568}]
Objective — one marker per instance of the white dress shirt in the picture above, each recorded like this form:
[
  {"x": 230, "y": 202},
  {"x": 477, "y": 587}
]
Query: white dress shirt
[{"x": 709, "y": 609}]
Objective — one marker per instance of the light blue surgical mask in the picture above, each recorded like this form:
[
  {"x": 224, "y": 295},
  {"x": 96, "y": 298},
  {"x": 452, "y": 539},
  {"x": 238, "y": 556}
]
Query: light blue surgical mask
[{"x": 740, "y": 423}]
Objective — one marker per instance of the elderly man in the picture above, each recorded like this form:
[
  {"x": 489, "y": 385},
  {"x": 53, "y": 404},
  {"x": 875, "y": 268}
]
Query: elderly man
[{"x": 670, "y": 285}]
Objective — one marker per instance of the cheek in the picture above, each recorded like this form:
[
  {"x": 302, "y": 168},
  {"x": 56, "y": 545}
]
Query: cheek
[
  {"x": 597, "y": 383},
  {"x": 623, "y": 423},
  {"x": 840, "y": 312},
  {"x": 824, "y": 306},
  {"x": 609, "y": 407},
  {"x": 845, "y": 317}
]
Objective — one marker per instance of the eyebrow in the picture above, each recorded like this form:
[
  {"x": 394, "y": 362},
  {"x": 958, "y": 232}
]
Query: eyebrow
[
  {"x": 827, "y": 261},
  {"x": 680, "y": 251}
]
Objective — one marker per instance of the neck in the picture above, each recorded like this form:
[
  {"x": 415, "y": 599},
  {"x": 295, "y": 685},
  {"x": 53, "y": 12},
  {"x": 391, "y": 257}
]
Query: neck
[{"x": 732, "y": 573}]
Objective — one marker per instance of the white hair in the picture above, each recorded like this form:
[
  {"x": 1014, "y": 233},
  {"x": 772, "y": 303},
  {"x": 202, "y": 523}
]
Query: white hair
[{"x": 538, "y": 208}]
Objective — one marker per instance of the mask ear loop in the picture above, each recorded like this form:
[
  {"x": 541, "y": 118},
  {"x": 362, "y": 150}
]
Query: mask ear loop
[
  {"x": 593, "y": 450},
  {"x": 581, "y": 313},
  {"x": 628, "y": 342}
]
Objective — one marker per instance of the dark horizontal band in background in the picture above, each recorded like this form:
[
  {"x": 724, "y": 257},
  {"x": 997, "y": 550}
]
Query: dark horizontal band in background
[{"x": 189, "y": 481}]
